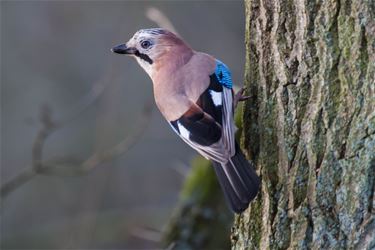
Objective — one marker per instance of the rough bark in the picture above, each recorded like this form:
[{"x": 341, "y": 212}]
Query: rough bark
[{"x": 310, "y": 125}]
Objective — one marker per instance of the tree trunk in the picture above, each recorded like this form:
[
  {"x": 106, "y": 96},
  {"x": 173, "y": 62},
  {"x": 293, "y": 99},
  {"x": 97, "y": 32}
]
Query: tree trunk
[{"x": 310, "y": 125}]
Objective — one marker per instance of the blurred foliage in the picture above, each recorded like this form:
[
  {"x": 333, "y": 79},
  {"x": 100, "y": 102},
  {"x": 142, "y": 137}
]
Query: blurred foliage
[{"x": 201, "y": 220}]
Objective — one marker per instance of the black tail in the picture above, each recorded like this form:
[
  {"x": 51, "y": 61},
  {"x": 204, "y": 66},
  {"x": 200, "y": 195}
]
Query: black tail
[{"x": 238, "y": 180}]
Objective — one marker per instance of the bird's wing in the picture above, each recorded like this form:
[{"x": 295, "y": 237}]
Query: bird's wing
[{"x": 208, "y": 125}]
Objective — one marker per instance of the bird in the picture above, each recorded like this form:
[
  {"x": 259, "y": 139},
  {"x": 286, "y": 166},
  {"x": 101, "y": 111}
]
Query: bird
[{"x": 194, "y": 92}]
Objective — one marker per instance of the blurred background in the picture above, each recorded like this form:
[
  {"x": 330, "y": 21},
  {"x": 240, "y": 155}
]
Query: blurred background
[{"x": 111, "y": 165}]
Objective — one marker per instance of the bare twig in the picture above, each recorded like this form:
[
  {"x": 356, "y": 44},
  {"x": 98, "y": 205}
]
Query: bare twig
[
  {"x": 65, "y": 166},
  {"x": 90, "y": 98},
  {"x": 181, "y": 168},
  {"x": 124, "y": 145},
  {"x": 149, "y": 234},
  {"x": 155, "y": 15},
  {"x": 17, "y": 181},
  {"x": 48, "y": 126}
]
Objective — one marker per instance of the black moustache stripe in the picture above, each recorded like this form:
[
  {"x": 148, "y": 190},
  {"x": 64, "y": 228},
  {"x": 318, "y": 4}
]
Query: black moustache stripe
[{"x": 143, "y": 57}]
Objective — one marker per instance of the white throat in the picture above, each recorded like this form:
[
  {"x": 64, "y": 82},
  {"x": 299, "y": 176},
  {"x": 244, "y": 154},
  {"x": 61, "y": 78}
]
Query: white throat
[{"x": 146, "y": 66}]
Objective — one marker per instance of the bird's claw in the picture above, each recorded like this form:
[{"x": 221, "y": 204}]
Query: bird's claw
[{"x": 239, "y": 97}]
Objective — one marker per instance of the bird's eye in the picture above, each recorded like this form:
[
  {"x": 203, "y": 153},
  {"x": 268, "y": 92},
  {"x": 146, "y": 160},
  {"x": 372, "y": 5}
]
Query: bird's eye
[{"x": 145, "y": 44}]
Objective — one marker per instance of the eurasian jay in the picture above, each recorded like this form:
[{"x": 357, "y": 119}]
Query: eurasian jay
[{"x": 193, "y": 91}]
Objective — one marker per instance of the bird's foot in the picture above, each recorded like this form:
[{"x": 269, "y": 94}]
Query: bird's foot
[{"x": 239, "y": 97}]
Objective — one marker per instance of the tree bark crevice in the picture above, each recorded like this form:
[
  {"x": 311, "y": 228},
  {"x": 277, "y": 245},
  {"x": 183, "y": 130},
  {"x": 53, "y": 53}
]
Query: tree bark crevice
[{"x": 309, "y": 125}]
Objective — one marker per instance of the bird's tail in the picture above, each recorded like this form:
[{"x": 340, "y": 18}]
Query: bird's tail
[{"x": 238, "y": 181}]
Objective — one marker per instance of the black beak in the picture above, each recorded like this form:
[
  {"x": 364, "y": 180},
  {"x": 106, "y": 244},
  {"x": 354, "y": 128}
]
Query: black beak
[{"x": 122, "y": 49}]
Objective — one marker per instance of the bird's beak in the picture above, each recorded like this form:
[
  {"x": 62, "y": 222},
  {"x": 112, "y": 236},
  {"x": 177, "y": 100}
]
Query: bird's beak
[{"x": 123, "y": 49}]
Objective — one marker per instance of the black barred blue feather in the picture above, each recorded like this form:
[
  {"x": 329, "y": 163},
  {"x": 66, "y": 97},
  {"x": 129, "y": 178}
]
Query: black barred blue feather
[{"x": 222, "y": 72}]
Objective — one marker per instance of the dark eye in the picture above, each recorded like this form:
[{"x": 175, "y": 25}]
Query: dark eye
[{"x": 145, "y": 44}]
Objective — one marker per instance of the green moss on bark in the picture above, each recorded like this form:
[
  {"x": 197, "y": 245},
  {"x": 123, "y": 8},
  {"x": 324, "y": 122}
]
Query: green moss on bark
[
  {"x": 201, "y": 219},
  {"x": 310, "y": 125}
]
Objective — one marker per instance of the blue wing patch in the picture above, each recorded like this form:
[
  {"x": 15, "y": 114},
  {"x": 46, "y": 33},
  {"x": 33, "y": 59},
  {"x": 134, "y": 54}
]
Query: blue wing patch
[{"x": 223, "y": 74}]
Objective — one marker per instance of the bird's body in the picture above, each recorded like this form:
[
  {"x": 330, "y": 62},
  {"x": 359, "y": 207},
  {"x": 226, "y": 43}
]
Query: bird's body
[
  {"x": 172, "y": 96},
  {"x": 193, "y": 91}
]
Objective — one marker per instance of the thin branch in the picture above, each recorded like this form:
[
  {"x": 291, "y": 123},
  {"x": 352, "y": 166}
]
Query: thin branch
[
  {"x": 123, "y": 146},
  {"x": 157, "y": 16},
  {"x": 149, "y": 234},
  {"x": 90, "y": 98},
  {"x": 64, "y": 166},
  {"x": 181, "y": 168},
  {"x": 48, "y": 126},
  {"x": 17, "y": 181},
  {"x": 72, "y": 167}
]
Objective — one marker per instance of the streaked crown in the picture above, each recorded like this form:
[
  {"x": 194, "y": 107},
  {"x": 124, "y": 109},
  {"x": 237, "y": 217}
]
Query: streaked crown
[{"x": 148, "y": 46}]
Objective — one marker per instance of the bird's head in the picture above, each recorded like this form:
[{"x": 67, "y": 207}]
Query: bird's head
[{"x": 151, "y": 46}]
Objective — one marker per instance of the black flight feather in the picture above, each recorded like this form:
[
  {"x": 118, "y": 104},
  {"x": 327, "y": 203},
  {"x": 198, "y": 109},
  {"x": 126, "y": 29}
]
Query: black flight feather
[
  {"x": 203, "y": 125},
  {"x": 238, "y": 181}
]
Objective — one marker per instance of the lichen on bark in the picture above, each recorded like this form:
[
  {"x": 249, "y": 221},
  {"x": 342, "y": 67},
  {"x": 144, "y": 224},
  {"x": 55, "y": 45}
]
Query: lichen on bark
[{"x": 310, "y": 125}]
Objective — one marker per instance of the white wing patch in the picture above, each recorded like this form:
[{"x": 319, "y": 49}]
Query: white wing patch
[
  {"x": 216, "y": 98},
  {"x": 224, "y": 149},
  {"x": 183, "y": 131}
]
